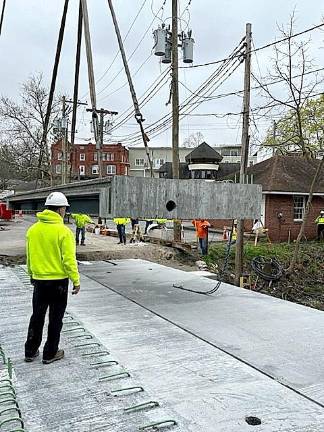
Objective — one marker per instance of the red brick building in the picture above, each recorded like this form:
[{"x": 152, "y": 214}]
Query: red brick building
[
  {"x": 285, "y": 184},
  {"x": 83, "y": 160}
]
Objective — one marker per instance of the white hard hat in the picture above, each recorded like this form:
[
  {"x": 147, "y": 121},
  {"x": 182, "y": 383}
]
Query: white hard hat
[
  {"x": 322, "y": 211},
  {"x": 57, "y": 199}
]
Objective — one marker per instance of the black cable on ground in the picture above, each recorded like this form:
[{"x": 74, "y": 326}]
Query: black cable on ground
[
  {"x": 221, "y": 274},
  {"x": 268, "y": 269}
]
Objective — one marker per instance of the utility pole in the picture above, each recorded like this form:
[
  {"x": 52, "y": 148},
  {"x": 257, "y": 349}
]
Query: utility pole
[
  {"x": 175, "y": 107},
  {"x": 102, "y": 112},
  {"x": 245, "y": 149},
  {"x": 274, "y": 136}
]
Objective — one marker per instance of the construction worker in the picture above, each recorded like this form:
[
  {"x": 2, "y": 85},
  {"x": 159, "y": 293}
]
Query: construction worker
[
  {"x": 81, "y": 220},
  {"x": 148, "y": 222},
  {"x": 234, "y": 233},
  {"x": 136, "y": 231},
  {"x": 121, "y": 228},
  {"x": 51, "y": 262},
  {"x": 202, "y": 226},
  {"x": 320, "y": 225}
]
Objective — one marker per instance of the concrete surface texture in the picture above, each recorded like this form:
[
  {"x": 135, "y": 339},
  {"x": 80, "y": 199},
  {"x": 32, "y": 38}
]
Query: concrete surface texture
[
  {"x": 173, "y": 199},
  {"x": 156, "y": 333}
]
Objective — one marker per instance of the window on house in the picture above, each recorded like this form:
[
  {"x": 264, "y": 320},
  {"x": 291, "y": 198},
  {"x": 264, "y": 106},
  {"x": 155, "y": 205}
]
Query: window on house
[
  {"x": 139, "y": 162},
  {"x": 110, "y": 156},
  {"x": 59, "y": 155},
  {"x": 234, "y": 152},
  {"x": 58, "y": 169},
  {"x": 95, "y": 169},
  {"x": 104, "y": 156},
  {"x": 82, "y": 156},
  {"x": 299, "y": 207},
  {"x": 111, "y": 169},
  {"x": 95, "y": 156},
  {"x": 158, "y": 162},
  {"x": 82, "y": 170}
]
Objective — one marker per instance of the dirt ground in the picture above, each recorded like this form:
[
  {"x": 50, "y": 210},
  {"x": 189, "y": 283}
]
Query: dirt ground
[{"x": 98, "y": 247}]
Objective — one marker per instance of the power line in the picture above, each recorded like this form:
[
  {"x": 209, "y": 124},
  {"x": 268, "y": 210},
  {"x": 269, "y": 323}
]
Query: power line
[
  {"x": 130, "y": 56},
  {"x": 261, "y": 47}
]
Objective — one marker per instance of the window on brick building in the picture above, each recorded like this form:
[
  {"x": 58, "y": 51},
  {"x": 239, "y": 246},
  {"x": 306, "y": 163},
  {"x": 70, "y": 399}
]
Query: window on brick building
[
  {"x": 110, "y": 156},
  {"x": 111, "y": 169},
  {"x": 139, "y": 162},
  {"x": 299, "y": 207},
  {"x": 82, "y": 157},
  {"x": 95, "y": 156},
  {"x": 82, "y": 169},
  {"x": 95, "y": 169},
  {"x": 104, "y": 156},
  {"x": 58, "y": 169},
  {"x": 59, "y": 155}
]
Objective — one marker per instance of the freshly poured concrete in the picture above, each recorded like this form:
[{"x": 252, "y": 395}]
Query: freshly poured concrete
[
  {"x": 283, "y": 339},
  {"x": 198, "y": 385}
]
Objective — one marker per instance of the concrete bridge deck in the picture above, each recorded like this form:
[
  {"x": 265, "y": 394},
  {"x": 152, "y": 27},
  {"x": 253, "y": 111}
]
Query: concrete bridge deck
[{"x": 209, "y": 361}]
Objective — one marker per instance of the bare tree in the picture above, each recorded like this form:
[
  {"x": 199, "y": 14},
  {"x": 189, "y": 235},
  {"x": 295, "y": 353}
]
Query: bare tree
[
  {"x": 291, "y": 66},
  {"x": 302, "y": 125},
  {"x": 22, "y": 127},
  {"x": 193, "y": 140}
]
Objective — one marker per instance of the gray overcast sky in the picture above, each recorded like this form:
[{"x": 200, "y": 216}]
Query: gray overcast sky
[{"x": 30, "y": 31}]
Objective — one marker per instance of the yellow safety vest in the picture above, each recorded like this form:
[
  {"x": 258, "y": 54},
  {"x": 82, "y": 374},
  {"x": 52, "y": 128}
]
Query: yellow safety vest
[{"x": 320, "y": 220}]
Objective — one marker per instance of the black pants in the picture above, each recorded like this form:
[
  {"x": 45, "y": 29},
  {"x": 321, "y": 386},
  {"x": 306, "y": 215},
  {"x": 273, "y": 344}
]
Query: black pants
[
  {"x": 50, "y": 294},
  {"x": 77, "y": 235},
  {"x": 320, "y": 231},
  {"x": 121, "y": 233}
]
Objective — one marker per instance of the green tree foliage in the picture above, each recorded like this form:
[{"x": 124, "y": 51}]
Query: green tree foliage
[{"x": 285, "y": 138}]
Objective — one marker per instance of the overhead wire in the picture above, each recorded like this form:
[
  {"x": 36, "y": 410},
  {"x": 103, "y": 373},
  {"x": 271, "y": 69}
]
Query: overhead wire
[
  {"x": 259, "y": 48},
  {"x": 208, "y": 84},
  {"x": 129, "y": 57}
]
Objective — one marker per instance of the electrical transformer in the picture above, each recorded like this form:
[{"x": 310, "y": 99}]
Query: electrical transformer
[
  {"x": 187, "y": 49},
  {"x": 160, "y": 35}
]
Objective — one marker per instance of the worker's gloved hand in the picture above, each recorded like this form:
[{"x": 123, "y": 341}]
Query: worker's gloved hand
[{"x": 76, "y": 289}]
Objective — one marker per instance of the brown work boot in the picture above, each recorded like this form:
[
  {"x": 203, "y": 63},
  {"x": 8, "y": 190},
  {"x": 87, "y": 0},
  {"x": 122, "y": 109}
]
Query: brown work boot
[
  {"x": 29, "y": 359},
  {"x": 58, "y": 356}
]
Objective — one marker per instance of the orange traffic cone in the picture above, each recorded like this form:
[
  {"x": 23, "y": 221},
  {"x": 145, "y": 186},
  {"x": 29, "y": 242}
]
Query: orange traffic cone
[{"x": 225, "y": 233}]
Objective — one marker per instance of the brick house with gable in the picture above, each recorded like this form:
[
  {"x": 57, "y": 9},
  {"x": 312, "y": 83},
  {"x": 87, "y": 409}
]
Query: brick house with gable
[
  {"x": 83, "y": 160},
  {"x": 286, "y": 181}
]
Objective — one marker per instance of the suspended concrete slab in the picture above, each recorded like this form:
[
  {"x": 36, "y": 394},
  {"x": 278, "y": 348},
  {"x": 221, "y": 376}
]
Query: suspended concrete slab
[{"x": 180, "y": 199}]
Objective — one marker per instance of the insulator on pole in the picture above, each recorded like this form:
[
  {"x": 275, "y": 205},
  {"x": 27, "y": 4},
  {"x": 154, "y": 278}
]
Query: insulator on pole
[{"x": 160, "y": 35}]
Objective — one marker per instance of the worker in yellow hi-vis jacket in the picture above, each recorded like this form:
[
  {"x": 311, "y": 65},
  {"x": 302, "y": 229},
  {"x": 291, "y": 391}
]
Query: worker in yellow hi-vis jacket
[
  {"x": 320, "y": 225},
  {"x": 81, "y": 220},
  {"x": 121, "y": 228},
  {"x": 51, "y": 262}
]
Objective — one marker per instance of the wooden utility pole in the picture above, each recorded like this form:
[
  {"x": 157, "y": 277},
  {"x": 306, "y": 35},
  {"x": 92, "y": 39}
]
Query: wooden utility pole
[
  {"x": 102, "y": 112},
  {"x": 244, "y": 150},
  {"x": 175, "y": 107}
]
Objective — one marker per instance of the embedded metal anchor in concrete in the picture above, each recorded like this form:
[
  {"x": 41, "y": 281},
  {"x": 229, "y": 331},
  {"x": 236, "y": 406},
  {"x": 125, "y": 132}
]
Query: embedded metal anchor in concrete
[
  {"x": 104, "y": 364},
  {"x": 74, "y": 329},
  {"x": 115, "y": 376},
  {"x": 99, "y": 353},
  {"x": 84, "y": 336},
  {"x": 127, "y": 390},
  {"x": 142, "y": 406},
  {"x": 87, "y": 345},
  {"x": 159, "y": 425}
]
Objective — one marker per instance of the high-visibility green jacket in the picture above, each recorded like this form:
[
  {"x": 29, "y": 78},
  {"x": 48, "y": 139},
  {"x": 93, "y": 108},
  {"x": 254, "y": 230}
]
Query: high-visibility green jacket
[
  {"x": 319, "y": 220},
  {"x": 50, "y": 247},
  {"x": 81, "y": 219},
  {"x": 121, "y": 221}
]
